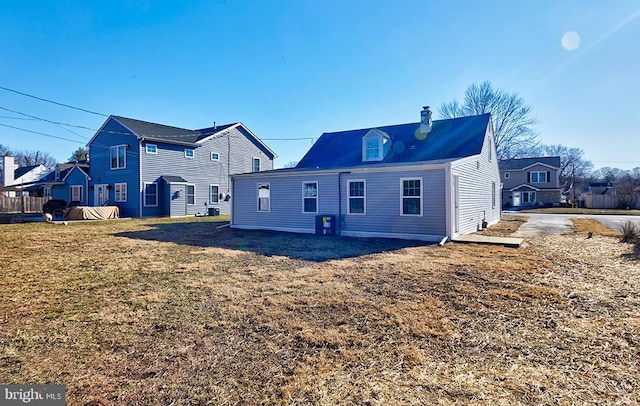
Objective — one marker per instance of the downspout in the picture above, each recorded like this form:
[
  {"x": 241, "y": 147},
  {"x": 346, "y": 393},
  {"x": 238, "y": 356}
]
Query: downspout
[
  {"x": 339, "y": 228},
  {"x": 233, "y": 201}
]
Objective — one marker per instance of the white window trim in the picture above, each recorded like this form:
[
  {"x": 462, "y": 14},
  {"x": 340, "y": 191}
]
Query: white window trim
[
  {"x": 144, "y": 194},
  {"x": 214, "y": 153},
  {"x": 46, "y": 191},
  {"x": 186, "y": 194},
  {"x": 529, "y": 193},
  {"x": 118, "y": 193},
  {"x": 305, "y": 197},
  {"x": 124, "y": 164},
  {"x": 71, "y": 189},
  {"x": 258, "y": 197},
  {"x": 507, "y": 175},
  {"x": 146, "y": 149},
  {"x": 402, "y": 197},
  {"x": 538, "y": 173},
  {"x": 253, "y": 161},
  {"x": 217, "y": 194},
  {"x": 193, "y": 153},
  {"x": 349, "y": 197},
  {"x": 57, "y": 175}
]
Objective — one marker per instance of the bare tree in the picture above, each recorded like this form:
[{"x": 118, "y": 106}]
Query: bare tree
[
  {"x": 30, "y": 158},
  {"x": 512, "y": 124},
  {"x": 608, "y": 174},
  {"x": 625, "y": 195},
  {"x": 291, "y": 164}
]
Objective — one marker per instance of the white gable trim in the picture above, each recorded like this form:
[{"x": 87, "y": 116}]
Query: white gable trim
[
  {"x": 524, "y": 185},
  {"x": 537, "y": 163}
]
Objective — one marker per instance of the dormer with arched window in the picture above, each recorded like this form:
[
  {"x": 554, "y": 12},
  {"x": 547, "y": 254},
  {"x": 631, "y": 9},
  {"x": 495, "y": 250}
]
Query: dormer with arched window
[{"x": 375, "y": 144}]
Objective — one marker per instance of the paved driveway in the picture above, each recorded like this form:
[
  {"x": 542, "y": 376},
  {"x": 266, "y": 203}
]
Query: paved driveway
[{"x": 541, "y": 224}]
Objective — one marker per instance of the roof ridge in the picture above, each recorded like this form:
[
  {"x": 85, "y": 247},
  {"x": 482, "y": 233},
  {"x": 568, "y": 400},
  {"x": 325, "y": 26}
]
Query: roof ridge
[{"x": 151, "y": 122}]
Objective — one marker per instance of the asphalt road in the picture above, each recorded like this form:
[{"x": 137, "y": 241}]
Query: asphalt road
[{"x": 541, "y": 224}]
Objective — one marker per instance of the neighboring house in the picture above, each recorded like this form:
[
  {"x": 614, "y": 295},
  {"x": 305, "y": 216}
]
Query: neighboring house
[
  {"x": 149, "y": 169},
  {"x": 424, "y": 181},
  {"x": 531, "y": 181},
  {"x": 20, "y": 180},
  {"x": 68, "y": 181},
  {"x": 607, "y": 196}
]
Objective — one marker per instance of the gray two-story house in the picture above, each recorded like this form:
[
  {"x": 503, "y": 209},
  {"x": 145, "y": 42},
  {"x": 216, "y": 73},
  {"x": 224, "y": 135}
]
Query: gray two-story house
[
  {"x": 149, "y": 169},
  {"x": 530, "y": 181}
]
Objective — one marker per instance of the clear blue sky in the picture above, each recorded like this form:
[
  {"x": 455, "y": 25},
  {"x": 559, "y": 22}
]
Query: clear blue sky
[{"x": 295, "y": 69}]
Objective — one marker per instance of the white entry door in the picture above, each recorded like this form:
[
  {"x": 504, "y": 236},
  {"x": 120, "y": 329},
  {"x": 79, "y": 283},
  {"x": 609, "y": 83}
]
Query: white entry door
[
  {"x": 516, "y": 199},
  {"x": 101, "y": 195}
]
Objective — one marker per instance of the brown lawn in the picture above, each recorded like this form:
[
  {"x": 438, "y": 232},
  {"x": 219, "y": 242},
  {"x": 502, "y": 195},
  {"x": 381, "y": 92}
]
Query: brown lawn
[{"x": 178, "y": 312}]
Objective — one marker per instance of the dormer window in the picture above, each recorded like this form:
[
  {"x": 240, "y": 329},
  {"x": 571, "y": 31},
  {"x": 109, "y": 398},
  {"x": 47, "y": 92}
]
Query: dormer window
[
  {"x": 373, "y": 145},
  {"x": 57, "y": 175}
]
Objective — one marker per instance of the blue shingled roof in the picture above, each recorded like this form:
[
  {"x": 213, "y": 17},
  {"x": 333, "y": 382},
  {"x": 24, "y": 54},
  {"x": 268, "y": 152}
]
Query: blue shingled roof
[{"x": 448, "y": 140}]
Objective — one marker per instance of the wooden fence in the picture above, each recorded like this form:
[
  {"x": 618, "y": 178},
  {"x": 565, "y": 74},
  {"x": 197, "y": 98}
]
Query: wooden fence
[{"x": 21, "y": 204}]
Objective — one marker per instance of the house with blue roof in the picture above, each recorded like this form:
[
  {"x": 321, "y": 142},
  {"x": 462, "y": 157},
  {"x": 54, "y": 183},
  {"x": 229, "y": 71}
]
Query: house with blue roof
[
  {"x": 149, "y": 169},
  {"x": 424, "y": 181}
]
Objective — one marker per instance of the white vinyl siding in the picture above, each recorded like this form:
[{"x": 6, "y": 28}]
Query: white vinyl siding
[
  {"x": 264, "y": 197},
  {"x": 357, "y": 197},
  {"x": 150, "y": 193},
  {"x": 411, "y": 197},
  {"x": 310, "y": 197},
  {"x": 120, "y": 192},
  {"x": 118, "y": 156}
]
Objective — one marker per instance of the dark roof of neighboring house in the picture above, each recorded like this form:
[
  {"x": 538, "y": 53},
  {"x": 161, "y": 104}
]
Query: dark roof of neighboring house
[
  {"x": 521, "y": 163},
  {"x": 448, "y": 140},
  {"x": 168, "y": 133},
  {"x": 24, "y": 170},
  {"x": 65, "y": 168},
  {"x": 173, "y": 179}
]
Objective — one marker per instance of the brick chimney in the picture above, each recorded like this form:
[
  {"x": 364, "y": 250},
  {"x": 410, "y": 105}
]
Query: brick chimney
[
  {"x": 8, "y": 170},
  {"x": 425, "y": 120}
]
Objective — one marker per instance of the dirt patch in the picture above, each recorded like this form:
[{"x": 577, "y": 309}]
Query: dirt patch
[{"x": 124, "y": 315}]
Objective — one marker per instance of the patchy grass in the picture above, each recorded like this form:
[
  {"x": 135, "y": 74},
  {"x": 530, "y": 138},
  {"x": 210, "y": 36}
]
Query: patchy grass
[
  {"x": 593, "y": 227},
  {"x": 569, "y": 210},
  {"x": 179, "y": 312}
]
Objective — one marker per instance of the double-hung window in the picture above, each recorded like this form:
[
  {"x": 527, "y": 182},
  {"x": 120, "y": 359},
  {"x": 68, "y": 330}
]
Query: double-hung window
[
  {"x": 120, "y": 192},
  {"x": 191, "y": 194},
  {"x": 411, "y": 194},
  {"x": 75, "y": 193},
  {"x": 214, "y": 194},
  {"x": 264, "y": 197},
  {"x": 255, "y": 166},
  {"x": 118, "y": 157},
  {"x": 150, "y": 194},
  {"x": 310, "y": 197},
  {"x": 357, "y": 197},
  {"x": 538, "y": 177}
]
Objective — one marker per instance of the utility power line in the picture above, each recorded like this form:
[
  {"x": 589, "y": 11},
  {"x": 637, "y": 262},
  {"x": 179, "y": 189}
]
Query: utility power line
[{"x": 53, "y": 102}]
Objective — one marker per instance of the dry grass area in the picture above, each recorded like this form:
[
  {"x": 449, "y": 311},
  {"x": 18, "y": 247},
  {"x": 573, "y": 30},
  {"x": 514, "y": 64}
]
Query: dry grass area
[
  {"x": 585, "y": 226},
  {"x": 178, "y": 312}
]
